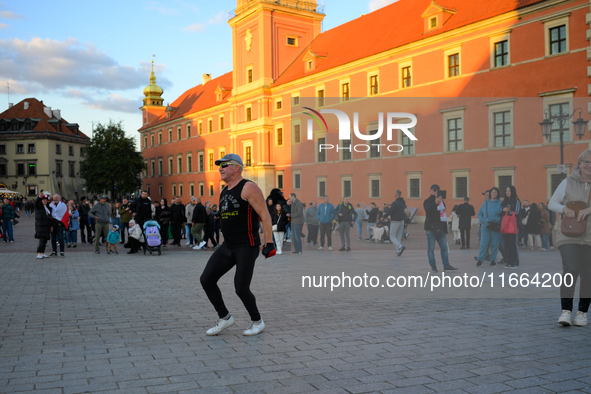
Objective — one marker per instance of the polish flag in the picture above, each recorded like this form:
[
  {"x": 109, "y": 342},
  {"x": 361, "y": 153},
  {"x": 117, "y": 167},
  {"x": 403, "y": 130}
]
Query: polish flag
[{"x": 60, "y": 213}]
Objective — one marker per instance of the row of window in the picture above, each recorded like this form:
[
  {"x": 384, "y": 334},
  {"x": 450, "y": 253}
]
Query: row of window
[
  {"x": 31, "y": 148},
  {"x": 178, "y": 191},
  {"x": 159, "y": 141},
  {"x": 17, "y": 126},
  {"x": 205, "y": 162},
  {"x": 30, "y": 168},
  {"x": 460, "y": 185},
  {"x": 501, "y": 134},
  {"x": 556, "y": 43}
]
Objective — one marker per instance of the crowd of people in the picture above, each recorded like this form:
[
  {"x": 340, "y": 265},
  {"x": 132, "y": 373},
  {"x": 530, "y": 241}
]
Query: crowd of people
[{"x": 505, "y": 223}]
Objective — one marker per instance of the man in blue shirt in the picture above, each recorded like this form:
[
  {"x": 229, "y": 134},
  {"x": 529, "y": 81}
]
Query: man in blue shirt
[{"x": 326, "y": 214}]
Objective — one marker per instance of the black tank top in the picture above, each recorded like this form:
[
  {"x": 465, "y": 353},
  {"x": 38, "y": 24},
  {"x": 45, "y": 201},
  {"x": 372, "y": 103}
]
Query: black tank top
[{"x": 239, "y": 221}]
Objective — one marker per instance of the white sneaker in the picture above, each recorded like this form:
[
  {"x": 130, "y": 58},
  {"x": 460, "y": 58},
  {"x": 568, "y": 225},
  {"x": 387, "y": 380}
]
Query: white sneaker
[
  {"x": 39, "y": 256},
  {"x": 45, "y": 256},
  {"x": 278, "y": 252},
  {"x": 564, "y": 319},
  {"x": 580, "y": 319},
  {"x": 220, "y": 326},
  {"x": 254, "y": 328},
  {"x": 188, "y": 243},
  {"x": 197, "y": 247},
  {"x": 330, "y": 248},
  {"x": 202, "y": 244},
  {"x": 321, "y": 248}
]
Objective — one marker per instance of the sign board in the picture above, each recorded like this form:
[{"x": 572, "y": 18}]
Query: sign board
[{"x": 561, "y": 168}]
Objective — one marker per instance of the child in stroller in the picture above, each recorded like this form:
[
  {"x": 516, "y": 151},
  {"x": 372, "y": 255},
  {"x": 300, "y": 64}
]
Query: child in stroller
[
  {"x": 381, "y": 232},
  {"x": 153, "y": 239}
]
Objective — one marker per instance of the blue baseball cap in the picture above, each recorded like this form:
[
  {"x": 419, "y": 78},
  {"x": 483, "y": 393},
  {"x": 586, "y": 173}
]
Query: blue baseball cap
[{"x": 230, "y": 157}]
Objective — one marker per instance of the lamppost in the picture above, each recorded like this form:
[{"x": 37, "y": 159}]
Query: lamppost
[{"x": 562, "y": 118}]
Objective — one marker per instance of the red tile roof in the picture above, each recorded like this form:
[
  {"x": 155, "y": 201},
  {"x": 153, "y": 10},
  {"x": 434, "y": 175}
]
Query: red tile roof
[
  {"x": 197, "y": 99},
  {"x": 36, "y": 111},
  {"x": 392, "y": 26}
]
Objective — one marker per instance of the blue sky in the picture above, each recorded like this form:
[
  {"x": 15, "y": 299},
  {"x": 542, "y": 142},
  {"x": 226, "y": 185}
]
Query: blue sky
[{"x": 92, "y": 59}]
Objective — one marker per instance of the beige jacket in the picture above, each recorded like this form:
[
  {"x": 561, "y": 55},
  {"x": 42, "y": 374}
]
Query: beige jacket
[{"x": 576, "y": 190}]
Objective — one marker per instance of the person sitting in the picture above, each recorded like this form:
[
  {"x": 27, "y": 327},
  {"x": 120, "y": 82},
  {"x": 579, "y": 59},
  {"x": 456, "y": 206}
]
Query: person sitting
[{"x": 136, "y": 237}]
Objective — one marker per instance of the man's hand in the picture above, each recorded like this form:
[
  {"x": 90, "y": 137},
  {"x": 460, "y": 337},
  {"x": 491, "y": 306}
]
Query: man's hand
[
  {"x": 269, "y": 250},
  {"x": 438, "y": 200}
]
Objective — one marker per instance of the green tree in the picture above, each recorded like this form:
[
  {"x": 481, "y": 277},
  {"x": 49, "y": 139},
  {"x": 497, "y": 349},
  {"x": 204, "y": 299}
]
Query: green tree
[{"x": 112, "y": 162}]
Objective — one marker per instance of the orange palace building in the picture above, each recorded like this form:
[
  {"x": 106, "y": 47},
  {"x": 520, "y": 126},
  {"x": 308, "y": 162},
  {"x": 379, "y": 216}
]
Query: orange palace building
[{"x": 492, "y": 70}]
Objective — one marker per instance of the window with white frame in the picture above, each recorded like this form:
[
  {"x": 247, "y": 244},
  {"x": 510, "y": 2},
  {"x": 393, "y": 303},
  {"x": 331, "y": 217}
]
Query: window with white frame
[
  {"x": 297, "y": 179},
  {"x": 320, "y": 151},
  {"x": 278, "y": 104},
  {"x": 200, "y": 162},
  {"x": 174, "y": 190},
  {"x": 373, "y": 83},
  {"x": 504, "y": 177},
  {"x": 375, "y": 185},
  {"x": 500, "y": 49},
  {"x": 413, "y": 184},
  {"x": 296, "y": 133},
  {"x": 201, "y": 189},
  {"x": 160, "y": 172},
  {"x": 346, "y": 186},
  {"x": 295, "y": 99},
  {"x": 189, "y": 163},
  {"x": 169, "y": 135},
  {"x": 292, "y": 41},
  {"x": 405, "y": 72},
  {"x": 200, "y": 127},
  {"x": 345, "y": 149},
  {"x": 460, "y": 183},
  {"x": 247, "y": 153},
  {"x": 178, "y": 133},
  {"x": 249, "y": 74},
  {"x": 211, "y": 192},
  {"x": 170, "y": 165},
  {"x": 452, "y": 58},
  {"x": 210, "y": 161},
  {"x": 188, "y": 130},
  {"x": 556, "y": 34},
  {"x": 221, "y": 122},
  {"x": 160, "y": 189},
  {"x": 408, "y": 145},
  {"x": 321, "y": 186},
  {"x": 320, "y": 97},
  {"x": 279, "y": 180},
  {"x": 248, "y": 113},
  {"x": 279, "y": 136},
  {"x": 500, "y": 123},
  {"x": 453, "y": 129},
  {"x": 180, "y": 189},
  {"x": 345, "y": 90},
  {"x": 179, "y": 164}
]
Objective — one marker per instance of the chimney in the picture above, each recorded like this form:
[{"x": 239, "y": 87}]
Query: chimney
[
  {"x": 47, "y": 111},
  {"x": 206, "y": 78},
  {"x": 57, "y": 114},
  {"x": 10, "y": 105},
  {"x": 26, "y": 105}
]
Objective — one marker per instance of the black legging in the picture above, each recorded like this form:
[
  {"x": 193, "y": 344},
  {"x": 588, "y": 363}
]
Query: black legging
[
  {"x": 41, "y": 245},
  {"x": 576, "y": 261},
  {"x": 222, "y": 261}
]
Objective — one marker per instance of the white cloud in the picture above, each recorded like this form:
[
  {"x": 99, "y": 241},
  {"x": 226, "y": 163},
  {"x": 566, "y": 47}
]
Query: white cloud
[
  {"x": 155, "y": 6},
  {"x": 51, "y": 64},
  {"x": 218, "y": 18},
  {"x": 10, "y": 15},
  {"x": 195, "y": 27},
  {"x": 3, "y": 25},
  {"x": 377, "y": 4},
  {"x": 114, "y": 102}
]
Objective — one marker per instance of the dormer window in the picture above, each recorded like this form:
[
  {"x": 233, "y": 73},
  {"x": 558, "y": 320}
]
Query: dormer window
[
  {"x": 433, "y": 22},
  {"x": 310, "y": 65}
]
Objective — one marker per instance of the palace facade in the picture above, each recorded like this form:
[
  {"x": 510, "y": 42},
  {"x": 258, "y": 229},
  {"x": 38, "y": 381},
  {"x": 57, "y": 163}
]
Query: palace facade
[{"x": 479, "y": 76}]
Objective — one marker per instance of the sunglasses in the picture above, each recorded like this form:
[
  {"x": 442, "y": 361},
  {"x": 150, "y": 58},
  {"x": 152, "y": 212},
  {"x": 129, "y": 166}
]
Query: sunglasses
[{"x": 225, "y": 165}]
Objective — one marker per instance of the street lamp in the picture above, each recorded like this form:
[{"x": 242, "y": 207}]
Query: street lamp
[{"x": 562, "y": 118}]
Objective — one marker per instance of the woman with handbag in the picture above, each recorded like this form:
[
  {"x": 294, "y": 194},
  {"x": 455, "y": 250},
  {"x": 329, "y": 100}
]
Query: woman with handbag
[
  {"x": 490, "y": 217},
  {"x": 511, "y": 208},
  {"x": 574, "y": 246},
  {"x": 279, "y": 221},
  {"x": 532, "y": 228}
]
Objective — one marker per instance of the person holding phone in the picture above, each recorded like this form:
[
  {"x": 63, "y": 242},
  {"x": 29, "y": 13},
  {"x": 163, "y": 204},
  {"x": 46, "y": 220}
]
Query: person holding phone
[{"x": 436, "y": 228}]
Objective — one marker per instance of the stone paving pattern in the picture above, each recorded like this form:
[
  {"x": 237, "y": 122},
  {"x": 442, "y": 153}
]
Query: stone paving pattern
[{"x": 88, "y": 323}]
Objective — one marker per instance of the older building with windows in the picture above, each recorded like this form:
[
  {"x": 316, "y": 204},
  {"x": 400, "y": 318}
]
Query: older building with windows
[
  {"x": 485, "y": 74},
  {"x": 40, "y": 150}
]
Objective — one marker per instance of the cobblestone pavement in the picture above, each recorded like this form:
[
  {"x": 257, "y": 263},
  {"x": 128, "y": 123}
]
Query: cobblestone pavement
[{"x": 136, "y": 324}]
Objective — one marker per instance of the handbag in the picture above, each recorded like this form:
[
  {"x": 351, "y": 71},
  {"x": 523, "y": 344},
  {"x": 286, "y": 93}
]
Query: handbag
[
  {"x": 569, "y": 226},
  {"x": 274, "y": 227},
  {"x": 524, "y": 220},
  {"x": 509, "y": 224},
  {"x": 492, "y": 226},
  {"x": 437, "y": 229}
]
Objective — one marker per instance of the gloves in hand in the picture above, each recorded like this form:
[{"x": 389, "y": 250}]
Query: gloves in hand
[{"x": 269, "y": 250}]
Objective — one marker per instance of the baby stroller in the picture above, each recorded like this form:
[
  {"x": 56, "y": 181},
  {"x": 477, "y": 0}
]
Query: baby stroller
[{"x": 153, "y": 240}]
